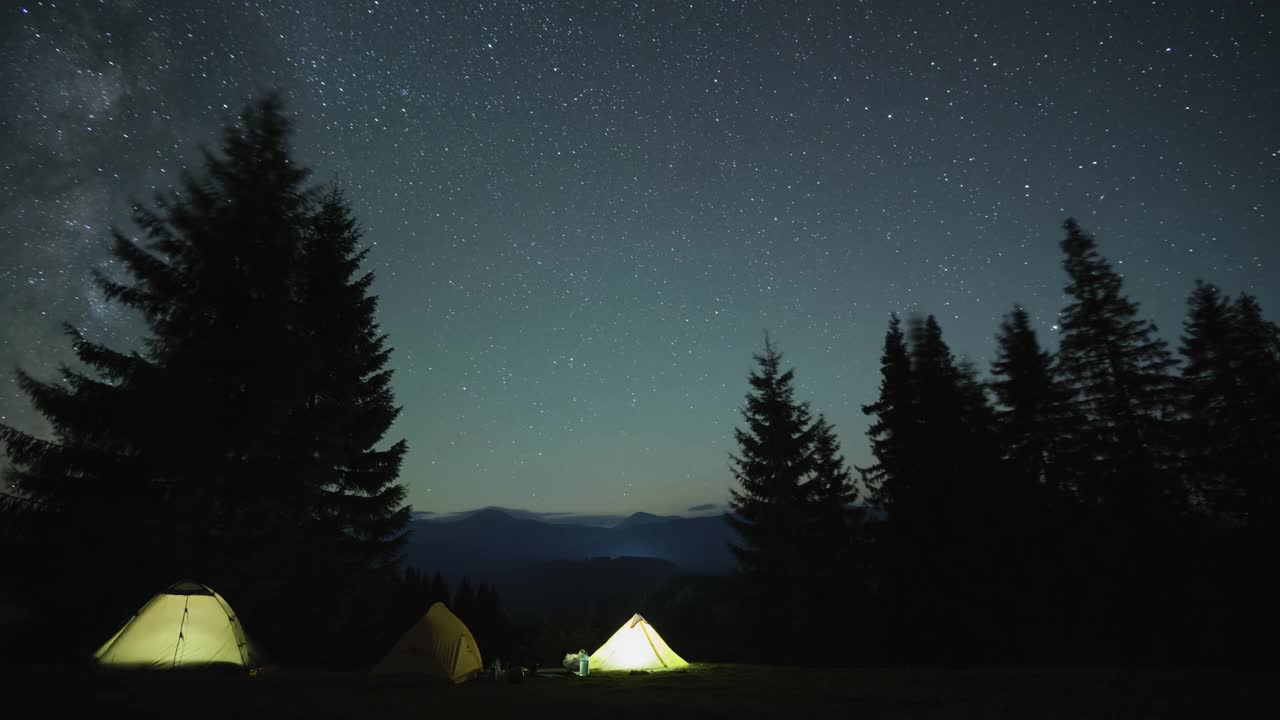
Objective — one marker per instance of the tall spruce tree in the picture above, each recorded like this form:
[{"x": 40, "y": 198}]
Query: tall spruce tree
[
  {"x": 891, "y": 486},
  {"x": 1035, "y": 422},
  {"x": 343, "y": 408},
  {"x": 1231, "y": 394},
  {"x": 933, "y": 429},
  {"x": 888, "y": 479},
  {"x": 209, "y": 454},
  {"x": 163, "y": 444},
  {"x": 1036, "y": 553},
  {"x": 1213, "y": 397},
  {"x": 953, "y": 427},
  {"x": 838, "y": 574},
  {"x": 1257, "y": 345},
  {"x": 769, "y": 506},
  {"x": 1130, "y": 480},
  {"x": 831, "y": 488},
  {"x": 981, "y": 425},
  {"x": 1258, "y": 367},
  {"x": 348, "y": 406},
  {"x": 934, "y": 444},
  {"x": 1118, "y": 370}
]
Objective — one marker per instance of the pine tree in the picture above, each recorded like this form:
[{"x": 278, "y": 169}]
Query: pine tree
[
  {"x": 1035, "y": 423},
  {"x": 212, "y": 453},
  {"x": 1212, "y": 399},
  {"x": 1036, "y": 432},
  {"x": 933, "y": 427},
  {"x": 934, "y": 445},
  {"x": 1130, "y": 481},
  {"x": 768, "y": 509},
  {"x": 412, "y": 598},
  {"x": 838, "y": 574},
  {"x": 488, "y": 604},
  {"x": 888, "y": 480},
  {"x": 831, "y": 488},
  {"x": 348, "y": 405},
  {"x": 1117, "y": 368},
  {"x": 340, "y": 407},
  {"x": 1254, "y": 457},
  {"x": 953, "y": 428},
  {"x": 1258, "y": 368},
  {"x": 464, "y": 601},
  {"x": 981, "y": 425},
  {"x": 1231, "y": 395},
  {"x": 163, "y": 444},
  {"x": 891, "y": 486},
  {"x": 439, "y": 590},
  {"x": 489, "y": 625},
  {"x": 416, "y": 587}
]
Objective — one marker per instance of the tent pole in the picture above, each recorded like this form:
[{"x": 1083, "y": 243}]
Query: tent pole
[{"x": 178, "y": 645}]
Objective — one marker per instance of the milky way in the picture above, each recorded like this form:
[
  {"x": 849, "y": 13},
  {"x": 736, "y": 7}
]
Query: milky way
[{"x": 584, "y": 217}]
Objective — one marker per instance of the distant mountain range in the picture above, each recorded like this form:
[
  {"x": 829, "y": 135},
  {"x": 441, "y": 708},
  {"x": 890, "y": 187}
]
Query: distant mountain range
[
  {"x": 568, "y": 518},
  {"x": 543, "y": 563},
  {"x": 540, "y": 566},
  {"x": 492, "y": 541}
]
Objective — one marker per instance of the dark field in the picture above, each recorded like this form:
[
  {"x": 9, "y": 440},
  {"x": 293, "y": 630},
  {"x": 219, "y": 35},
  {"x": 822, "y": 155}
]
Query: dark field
[{"x": 701, "y": 691}]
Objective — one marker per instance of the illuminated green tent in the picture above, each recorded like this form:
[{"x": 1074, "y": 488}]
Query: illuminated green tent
[
  {"x": 438, "y": 645},
  {"x": 635, "y": 646},
  {"x": 187, "y": 625}
]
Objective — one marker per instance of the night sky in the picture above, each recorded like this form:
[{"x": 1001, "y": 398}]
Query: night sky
[{"x": 584, "y": 217}]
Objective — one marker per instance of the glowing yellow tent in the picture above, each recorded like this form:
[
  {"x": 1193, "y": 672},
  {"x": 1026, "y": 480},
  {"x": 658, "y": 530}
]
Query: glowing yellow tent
[
  {"x": 636, "y": 646},
  {"x": 187, "y": 625},
  {"x": 438, "y": 645}
]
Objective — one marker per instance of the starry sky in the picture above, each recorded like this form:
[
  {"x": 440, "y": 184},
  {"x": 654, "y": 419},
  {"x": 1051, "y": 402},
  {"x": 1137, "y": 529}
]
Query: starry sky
[{"x": 584, "y": 216}]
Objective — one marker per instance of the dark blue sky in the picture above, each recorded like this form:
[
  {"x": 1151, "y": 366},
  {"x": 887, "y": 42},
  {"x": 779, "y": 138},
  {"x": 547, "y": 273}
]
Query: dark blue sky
[{"x": 584, "y": 216}]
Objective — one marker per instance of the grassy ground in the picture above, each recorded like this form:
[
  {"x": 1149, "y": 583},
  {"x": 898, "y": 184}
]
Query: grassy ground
[{"x": 701, "y": 691}]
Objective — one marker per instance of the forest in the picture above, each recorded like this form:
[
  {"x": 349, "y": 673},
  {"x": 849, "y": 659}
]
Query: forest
[
  {"x": 1110, "y": 501},
  {"x": 1107, "y": 503}
]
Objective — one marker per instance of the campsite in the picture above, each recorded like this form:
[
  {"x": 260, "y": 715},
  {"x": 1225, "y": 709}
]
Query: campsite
[
  {"x": 594, "y": 359},
  {"x": 186, "y": 648}
]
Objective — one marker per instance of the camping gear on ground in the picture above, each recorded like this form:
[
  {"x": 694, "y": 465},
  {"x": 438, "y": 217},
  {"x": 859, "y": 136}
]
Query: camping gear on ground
[
  {"x": 187, "y": 625},
  {"x": 584, "y": 664},
  {"x": 635, "y": 646},
  {"x": 438, "y": 645}
]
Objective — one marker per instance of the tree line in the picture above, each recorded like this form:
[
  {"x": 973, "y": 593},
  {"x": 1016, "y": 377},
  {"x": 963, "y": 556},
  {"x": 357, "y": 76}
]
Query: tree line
[{"x": 1106, "y": 502}]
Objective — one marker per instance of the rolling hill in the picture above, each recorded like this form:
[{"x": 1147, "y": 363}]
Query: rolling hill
[
  {"x": 539, "y": 566},
  {"x": 494, "y": 541}
]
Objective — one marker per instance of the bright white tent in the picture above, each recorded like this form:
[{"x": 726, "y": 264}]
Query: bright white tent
[
  {"x": 187, "y": 625},
  {"x": 635, "y": 646}
]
